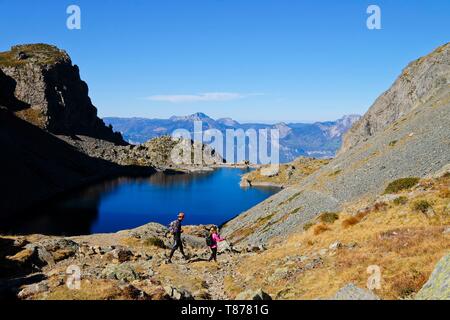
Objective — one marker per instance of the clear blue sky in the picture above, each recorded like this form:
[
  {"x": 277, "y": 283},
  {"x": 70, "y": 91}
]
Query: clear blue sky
[{"x": 265, "y": 60}]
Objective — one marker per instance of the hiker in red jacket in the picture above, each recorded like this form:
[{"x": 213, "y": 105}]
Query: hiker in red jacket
[{"x": 213, "y": 240}]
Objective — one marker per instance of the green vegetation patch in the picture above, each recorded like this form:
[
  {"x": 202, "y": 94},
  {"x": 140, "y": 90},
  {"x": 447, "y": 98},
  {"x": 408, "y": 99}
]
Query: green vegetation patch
[
  {"x": 401, "y": 184},
  {"x": 329, "y": 217},
  {"x": 43, "y": 54},
  {"x": 422, "y": 206},
  {"x": 393, "y": 143},
  {"x": 308, "y": 226},
  {"x": 400, "y": 201}
]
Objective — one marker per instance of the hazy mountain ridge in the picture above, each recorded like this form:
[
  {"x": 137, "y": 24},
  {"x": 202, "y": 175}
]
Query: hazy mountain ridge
[{"x": 320, "y": 139}]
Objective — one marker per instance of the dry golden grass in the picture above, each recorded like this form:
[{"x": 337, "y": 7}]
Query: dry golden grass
[
  {"x": 320, "y": 228},
  {"x": 405, "y": 244},
  {"x": 89, "y": 290}
]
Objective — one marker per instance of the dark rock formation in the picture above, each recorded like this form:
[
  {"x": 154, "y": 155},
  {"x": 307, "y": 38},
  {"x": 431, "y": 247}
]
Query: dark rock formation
[{"x": 40, "y": 83}]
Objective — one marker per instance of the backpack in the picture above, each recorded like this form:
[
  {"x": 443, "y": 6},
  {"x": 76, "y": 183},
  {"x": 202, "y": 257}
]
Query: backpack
[
  {"x": 209, "y": 240},
  {"x": 173, "y": 226}
]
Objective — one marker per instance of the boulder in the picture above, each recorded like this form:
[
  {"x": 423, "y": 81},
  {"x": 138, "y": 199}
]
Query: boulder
[
  {"x": 33, "y": 289},
  {"x": 122, "y": 272},
  {"x": 438, "y": 286},
  {"x": 352, "y": 292}
]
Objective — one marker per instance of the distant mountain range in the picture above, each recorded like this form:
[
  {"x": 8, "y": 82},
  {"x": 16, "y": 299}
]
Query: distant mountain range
[{"x": 320, "y": 139}]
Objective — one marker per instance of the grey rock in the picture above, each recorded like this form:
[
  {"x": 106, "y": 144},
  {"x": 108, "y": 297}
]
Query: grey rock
[
  {"x": 122, "y": 272},
  {"x": 352, "y": 292},
  {"x": 419, "y": 82},
  {"x": 438, "y": 286},
  {"x": 178, "y": 294}
]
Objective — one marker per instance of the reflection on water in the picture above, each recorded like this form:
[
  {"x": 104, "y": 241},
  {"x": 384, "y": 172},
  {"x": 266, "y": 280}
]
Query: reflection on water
[{"x": 124, "y": 203}]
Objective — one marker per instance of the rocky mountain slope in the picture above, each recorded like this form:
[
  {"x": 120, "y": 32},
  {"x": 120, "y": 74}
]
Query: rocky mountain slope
[
  {"x": 321, "y": 139},
  {"x": 421, "y": 81},
  {"x": 415, "y": 144}
]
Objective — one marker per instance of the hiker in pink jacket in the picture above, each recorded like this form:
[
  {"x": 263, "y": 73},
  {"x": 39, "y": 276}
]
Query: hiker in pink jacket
[{"x": 214, "y": 240}]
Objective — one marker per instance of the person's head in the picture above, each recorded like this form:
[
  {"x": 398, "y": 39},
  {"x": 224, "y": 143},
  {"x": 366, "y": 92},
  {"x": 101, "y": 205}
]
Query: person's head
[
  {"x": 181, "y": 216},
  {"x": 213, "y": 230}
]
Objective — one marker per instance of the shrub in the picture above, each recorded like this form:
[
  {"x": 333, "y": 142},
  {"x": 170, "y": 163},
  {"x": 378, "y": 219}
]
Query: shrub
[
  {"x": 421, "y": 205},
  {"x": 321, "y": 228},
  {"x": 400, "y": 201},
  {"x": 401, "y": 184},
  {"x": 408, "y": 284},
  {"x": 307, "y": 226},
  {"x": 349, "y": 222},
  {"x": 329, "y": 217},
  {"x": 155, "y": 242}
]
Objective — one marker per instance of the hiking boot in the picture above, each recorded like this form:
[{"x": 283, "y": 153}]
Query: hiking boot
[{"x": 169, "y": 261}]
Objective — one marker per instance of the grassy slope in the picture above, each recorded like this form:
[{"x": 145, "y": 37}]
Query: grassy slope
[{"x": 394, "y": 235}]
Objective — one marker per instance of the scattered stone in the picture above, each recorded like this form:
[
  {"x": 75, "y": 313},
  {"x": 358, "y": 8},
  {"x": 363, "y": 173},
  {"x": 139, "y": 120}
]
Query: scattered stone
[
  {"x": 446, "y": 231},
  {"x": 253, "y": 295},
  {"x": 120, "y": 255},
  {"x": 122, "y": 272},
  {"x": 279, "y": 274},
  {"x": 438, "y": 286},
  {"x": 315, "y": 263},
  {"x": 178, "y": 294},
  {"x": 352, "y": 245},
  {"x": 352, "y": 292},
  {"x": 335, "y": 245}
]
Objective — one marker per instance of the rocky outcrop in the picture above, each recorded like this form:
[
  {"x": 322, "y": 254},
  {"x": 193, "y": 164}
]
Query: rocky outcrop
[
  {"x": 44, "y": 88},
  {"x": 414, "y": 145},
  {"x": 419, "y": 82},
  {"x": 438, "y": 286}
]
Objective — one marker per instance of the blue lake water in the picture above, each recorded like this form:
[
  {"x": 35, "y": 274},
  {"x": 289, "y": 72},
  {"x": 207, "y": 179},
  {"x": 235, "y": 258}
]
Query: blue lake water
[{"x": 125, "y": 203}]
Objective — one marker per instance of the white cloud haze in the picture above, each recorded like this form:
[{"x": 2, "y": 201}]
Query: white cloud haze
[{"x": 201, "y": 97}]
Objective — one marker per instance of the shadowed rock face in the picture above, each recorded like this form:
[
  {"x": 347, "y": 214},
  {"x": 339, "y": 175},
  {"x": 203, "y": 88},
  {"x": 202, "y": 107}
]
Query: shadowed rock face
[
  {"x": 35, "y": 165},
  {"x": 418, "y": 83},
  {"x": 48, "y": 92}
]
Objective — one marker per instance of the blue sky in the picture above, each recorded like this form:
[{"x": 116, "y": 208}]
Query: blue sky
[{"x": 253, "y": 60}]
